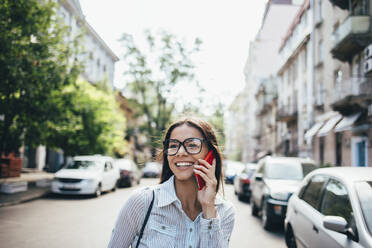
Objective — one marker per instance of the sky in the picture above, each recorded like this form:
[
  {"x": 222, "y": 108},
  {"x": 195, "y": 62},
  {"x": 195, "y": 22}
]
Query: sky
[{"x": 225, "y": 26}]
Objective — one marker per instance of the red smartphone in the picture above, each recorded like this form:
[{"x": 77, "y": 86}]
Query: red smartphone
[{"x": 209, "y": 158}]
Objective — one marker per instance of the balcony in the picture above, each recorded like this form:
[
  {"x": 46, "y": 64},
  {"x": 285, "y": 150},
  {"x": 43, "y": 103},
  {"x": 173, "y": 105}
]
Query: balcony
[
  {"x": 352, "y": 95},
  {"x": 287, "y": 113},
  {"x": 351, "y": 37},
  {"x": 343, "y": 4}
]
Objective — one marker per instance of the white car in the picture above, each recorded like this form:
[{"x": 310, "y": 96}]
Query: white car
[
  {"x": 86, "y": 175},
  {"x": 332, "y": 209}
]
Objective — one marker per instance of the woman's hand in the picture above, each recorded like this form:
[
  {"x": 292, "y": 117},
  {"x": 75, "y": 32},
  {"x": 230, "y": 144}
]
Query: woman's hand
[{"x": 207, "y": 194}]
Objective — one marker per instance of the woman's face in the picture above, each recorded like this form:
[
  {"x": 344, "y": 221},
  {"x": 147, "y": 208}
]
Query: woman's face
[{"x": 182, "y": 163}]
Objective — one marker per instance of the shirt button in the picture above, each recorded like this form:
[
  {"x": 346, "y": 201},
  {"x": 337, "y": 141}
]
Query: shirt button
[
  {"x": 190, "y": 229},
  {"x": 209, "y": 227},
  {"x": 190, "y": 246},
  {"x": 163, "y": 227}
]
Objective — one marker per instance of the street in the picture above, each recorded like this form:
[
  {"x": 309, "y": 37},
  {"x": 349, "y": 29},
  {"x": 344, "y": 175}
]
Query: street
[{"x": 85, "y": 222}]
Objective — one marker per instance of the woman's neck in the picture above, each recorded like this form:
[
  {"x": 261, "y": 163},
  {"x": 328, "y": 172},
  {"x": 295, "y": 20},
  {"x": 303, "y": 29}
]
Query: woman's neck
[{"x": 186, "y": 192}]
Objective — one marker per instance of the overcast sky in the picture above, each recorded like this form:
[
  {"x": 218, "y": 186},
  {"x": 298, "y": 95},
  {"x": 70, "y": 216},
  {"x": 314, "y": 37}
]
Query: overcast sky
[{"x": 224, "y": 26}]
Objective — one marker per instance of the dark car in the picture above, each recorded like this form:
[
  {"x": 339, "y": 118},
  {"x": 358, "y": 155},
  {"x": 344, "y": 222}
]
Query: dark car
[
  {"x": 152, "y": 169},
  {"x": 273, "y": 184},
  {"x": 242, "y": 182},
  {"x": 129, "y": 172}
]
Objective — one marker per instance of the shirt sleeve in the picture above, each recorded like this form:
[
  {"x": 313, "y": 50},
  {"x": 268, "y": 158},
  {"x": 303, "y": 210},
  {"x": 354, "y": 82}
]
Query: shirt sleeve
[
  {"x": 216, "y": 232},
  {"x": 129, "y": 220}
]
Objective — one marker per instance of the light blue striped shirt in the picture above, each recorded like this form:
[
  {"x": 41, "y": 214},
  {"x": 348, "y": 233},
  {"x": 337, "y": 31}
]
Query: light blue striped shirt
[{"x": 168, "y": 225}]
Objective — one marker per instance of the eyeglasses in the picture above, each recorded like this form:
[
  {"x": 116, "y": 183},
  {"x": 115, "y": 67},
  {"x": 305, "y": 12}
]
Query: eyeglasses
[{"x": 192, "y": 146}]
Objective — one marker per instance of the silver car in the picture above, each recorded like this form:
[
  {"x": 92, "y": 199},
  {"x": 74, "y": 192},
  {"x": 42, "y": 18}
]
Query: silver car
[{"x": 332, "y": 208}]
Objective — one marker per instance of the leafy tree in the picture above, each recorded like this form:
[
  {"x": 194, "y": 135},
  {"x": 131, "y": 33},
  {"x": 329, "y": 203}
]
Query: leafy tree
[
  {"x": 90, "y": 124},
  {"x": 36, "y": 60},
  {"x": 217, "y": 120},
  {"x": 151, "y": 75}
]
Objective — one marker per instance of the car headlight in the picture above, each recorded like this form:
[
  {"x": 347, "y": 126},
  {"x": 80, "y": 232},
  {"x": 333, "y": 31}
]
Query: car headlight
[{"x": 283, "y": 196}]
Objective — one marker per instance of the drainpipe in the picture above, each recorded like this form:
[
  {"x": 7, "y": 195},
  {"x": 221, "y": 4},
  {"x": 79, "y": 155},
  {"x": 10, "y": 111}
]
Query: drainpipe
[{"x": 311, "y": 77}]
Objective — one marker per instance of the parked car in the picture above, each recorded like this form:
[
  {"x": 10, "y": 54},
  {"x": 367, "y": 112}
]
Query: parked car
[
  {"x": 273, "y": 183},
  {"x": 332, "y": 208},
  {"x": 129, "y": 172},
  {"x": 86, "y": 175},
  {"x": 232, "y": 168},
  {"x": 151, "y": 169},
  {"x": 242, "y": 182}
]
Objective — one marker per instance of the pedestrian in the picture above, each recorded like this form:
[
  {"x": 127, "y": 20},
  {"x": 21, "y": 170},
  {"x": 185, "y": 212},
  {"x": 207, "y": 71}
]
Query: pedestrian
[{"x": 180, "y": 215}]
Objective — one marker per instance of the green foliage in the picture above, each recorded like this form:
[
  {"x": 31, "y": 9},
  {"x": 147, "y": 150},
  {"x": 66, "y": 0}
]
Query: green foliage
[
  {"x": 36, "y": 60},
  {"x": 91, "y": 123},
  {"x": 217, "y": 121},
  {"x": 151, "y": 75}
]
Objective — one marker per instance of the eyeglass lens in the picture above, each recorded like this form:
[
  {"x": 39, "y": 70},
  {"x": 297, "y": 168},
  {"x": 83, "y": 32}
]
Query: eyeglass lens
[{"x": 191, "y": 145}]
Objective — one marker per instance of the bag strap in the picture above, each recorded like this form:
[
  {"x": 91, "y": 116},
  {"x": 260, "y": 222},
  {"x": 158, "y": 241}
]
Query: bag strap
[{"x": 146, "y": 219}]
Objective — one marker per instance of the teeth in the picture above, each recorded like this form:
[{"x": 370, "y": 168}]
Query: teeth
[{"x": 184, "y": 164}]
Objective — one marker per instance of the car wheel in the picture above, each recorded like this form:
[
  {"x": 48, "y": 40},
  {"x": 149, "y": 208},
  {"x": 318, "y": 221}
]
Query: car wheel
[
  {"x": 266, "y": 222},
  {"x": 254, "y": 208},
  {"x": 241, "y": 197},
  {"x": 290, "y": 239},
  {"x": 98, "y": 191}
]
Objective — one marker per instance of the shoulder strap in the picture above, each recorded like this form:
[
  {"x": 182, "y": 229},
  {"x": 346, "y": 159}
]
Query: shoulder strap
[{"x": 146, "y": 219}]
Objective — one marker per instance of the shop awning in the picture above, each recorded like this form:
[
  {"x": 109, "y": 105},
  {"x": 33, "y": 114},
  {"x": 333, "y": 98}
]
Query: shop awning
[
  {"x": 330, "y": 124},
  {"x": 312, "y": 131},
  {"x": 347, "y": 123}
]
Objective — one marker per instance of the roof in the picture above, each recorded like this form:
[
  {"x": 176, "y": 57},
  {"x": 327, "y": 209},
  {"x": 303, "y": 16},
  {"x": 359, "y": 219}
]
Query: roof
[
  {"x": 289, "y": 159},
  {"x": 91, "y": 157},
  {"x": 350, "y": 174}
]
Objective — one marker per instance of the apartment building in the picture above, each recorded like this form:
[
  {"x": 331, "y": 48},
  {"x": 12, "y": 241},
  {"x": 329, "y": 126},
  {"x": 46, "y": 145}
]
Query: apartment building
[
  {"x": 352, "y": 88},
  {"x": 261, "y": 64},
  {"x": 99, "y": 65}
]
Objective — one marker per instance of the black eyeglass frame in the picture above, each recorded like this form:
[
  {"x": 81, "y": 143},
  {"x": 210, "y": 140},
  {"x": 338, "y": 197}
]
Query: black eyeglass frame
[{"x": 182, "y": 144}]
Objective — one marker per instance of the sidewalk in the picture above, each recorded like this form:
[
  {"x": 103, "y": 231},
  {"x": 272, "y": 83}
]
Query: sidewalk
[{"x": 36, "y": 183}]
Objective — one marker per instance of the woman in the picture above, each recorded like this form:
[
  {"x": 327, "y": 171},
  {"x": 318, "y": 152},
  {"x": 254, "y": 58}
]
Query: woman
[{"x": 182, "y": 215}]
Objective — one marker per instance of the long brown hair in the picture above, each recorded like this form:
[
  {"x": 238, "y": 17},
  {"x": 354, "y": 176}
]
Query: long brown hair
[{"x": 211, "y": 140}]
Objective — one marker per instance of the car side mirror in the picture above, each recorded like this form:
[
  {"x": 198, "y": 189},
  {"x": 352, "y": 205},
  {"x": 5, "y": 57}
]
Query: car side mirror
[
  {"x": 340, "y": 225},
  {"x": 258, "y": 177},
  {"x": 335, "y": 223}
]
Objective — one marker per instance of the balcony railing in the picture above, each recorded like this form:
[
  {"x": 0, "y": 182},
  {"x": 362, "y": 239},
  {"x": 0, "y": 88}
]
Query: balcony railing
[
  {"x": 343, "y": 4},
  {"x": 351, "y": 37},
  {"x": 351, "y": 93},
  {"x": 288, "y": 112}
]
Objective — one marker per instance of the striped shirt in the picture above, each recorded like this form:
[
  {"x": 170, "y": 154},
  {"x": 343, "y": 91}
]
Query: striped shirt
[{"x": 168, "y": 225}]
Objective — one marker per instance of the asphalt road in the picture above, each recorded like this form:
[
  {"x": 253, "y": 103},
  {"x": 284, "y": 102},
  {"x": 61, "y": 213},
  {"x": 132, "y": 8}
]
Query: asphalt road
[{"x": 85, "y": 222}]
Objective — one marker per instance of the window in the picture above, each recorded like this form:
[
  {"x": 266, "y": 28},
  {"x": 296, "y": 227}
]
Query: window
[
  {"x": 320, "y": 51},
  {"x": 320, "y": 15},
  {"x": 311, "y": 194},
  {"x": 321, "y": 150},
  {"x": 336, "y": 201},
  {"x": 338, "y": 148}
]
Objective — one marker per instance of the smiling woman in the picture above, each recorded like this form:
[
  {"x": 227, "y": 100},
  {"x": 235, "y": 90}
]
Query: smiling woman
[{"x": 180, "y": 215}]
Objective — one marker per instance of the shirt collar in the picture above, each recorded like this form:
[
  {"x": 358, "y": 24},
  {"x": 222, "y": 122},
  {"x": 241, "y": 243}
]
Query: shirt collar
[{"x": 167, "y": 194}]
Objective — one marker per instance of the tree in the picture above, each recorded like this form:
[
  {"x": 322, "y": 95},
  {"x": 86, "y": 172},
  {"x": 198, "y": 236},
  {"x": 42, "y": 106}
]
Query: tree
[
  {"x": 36, "y": 60},
  {"x": 151, "y": 76},
  {"x": 91, "y": 122}
]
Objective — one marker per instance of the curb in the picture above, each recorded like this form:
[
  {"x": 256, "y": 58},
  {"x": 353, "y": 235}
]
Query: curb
[{"x": 25, "y": 198}]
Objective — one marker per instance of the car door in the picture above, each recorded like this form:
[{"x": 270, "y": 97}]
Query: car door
[
  {"x": 306, "y": 217},
  {"x": 336, "y": 202}
]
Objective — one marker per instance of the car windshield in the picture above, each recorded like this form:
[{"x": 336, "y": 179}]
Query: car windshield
[
  {"x": 364, "y": 190},
  {"x": 286, "y": 171},
  {"x": 82, "y": 165}
]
